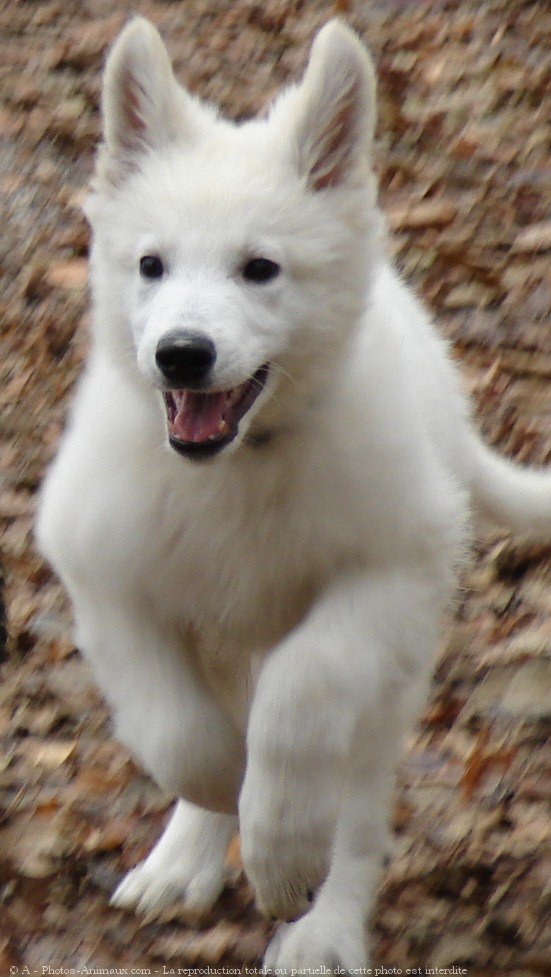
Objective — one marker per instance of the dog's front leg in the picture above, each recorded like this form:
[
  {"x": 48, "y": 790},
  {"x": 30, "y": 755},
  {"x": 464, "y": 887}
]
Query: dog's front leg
[
  {"x": 164, "y": 712},
  {"x": 326, "y": 729},
  {"x": 169, "y": 719},
  {"x": 334, "y": 932},
  {"x": 299, "y": 736}
]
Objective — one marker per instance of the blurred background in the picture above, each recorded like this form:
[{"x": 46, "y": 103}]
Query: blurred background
[{"x": 464, "y": 160}]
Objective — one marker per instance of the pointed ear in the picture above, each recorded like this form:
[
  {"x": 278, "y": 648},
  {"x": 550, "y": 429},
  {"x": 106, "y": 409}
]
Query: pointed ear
[
  {"x": 336, "y": 108},
  {"x": 142, "y": 102}
]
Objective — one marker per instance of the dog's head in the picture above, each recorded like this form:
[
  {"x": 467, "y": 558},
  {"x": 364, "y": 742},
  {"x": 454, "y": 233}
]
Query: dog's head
[{"x": 231, "y": 262}]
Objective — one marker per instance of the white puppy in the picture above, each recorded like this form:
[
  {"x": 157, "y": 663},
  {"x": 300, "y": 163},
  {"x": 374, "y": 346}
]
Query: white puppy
[{"x": 262, "y": 499}]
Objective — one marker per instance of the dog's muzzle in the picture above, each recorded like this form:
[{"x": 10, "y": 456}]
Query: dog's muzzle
[{"x": 202, "y": 422}]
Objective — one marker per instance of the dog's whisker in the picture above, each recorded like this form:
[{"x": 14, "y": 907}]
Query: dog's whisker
[{"x": 284, "y": 373}]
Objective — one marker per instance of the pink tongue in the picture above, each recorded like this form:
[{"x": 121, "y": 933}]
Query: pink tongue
[{"x": 199, "y": 416}]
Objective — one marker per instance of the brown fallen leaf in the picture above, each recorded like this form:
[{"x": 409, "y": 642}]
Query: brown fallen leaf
[
  {"x": 480, "y": 760},
  {"x": 60, "y": 648},
  {"x": 209, "y": 946},
  {"x": 471, "y": 295},
  {"x": 35, "y": 842},
  {"x": 427, "y": 213},
  {"x": 96, "y": 781},
  {"x": 342, "y": 6},
  {"x": 48, "y": 754},
  {"x": 109, "y": 838},
  {"x": 537, "y": 237},
  {"x": 43, "y": 720},
  {"x": 71, "y": 274}
]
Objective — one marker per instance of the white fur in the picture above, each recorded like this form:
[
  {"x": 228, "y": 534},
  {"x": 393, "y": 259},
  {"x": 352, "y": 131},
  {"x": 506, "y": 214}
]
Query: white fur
[{"x": 263, "y": 624}]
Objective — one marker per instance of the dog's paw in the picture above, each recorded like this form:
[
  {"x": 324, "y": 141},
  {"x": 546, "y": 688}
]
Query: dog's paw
[
  {"x": 149, "y": 891},
  {"x": 318, "y": 941},
  {"x": 283, "y": 886},
  {"x": 285, "y": 860},
  {"x": 186, "y": 864}
]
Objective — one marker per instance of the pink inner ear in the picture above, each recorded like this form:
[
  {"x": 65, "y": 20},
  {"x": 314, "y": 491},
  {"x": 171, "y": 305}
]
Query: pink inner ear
[
  {"x": 132, "y": 97},
  {"x": 336, "y": 147}
]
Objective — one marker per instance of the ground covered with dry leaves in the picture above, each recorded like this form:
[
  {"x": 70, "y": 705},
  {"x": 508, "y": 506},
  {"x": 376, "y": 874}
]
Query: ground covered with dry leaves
[{"x": 464, "y": 160}]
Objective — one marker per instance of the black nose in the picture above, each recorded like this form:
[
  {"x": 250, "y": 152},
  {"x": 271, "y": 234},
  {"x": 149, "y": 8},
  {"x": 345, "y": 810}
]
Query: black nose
[{"x": 185, "y": 358}]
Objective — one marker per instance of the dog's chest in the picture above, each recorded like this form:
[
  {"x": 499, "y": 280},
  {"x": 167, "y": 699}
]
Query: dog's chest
[{"x": 244, "y": 560}]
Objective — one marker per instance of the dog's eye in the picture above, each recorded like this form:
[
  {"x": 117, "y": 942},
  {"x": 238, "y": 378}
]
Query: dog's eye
[
  {"x": 151, "y": 266},
  {"x": 260, "y": 270}
]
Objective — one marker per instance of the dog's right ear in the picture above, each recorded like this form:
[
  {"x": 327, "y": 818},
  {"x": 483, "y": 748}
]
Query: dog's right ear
[{"x": 144, "y": 108}]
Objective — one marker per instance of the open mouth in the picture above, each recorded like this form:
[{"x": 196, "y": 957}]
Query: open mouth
[{"x": 201, "y": 423}]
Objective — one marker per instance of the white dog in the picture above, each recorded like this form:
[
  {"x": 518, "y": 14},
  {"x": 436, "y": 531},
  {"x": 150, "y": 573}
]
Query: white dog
[{"x": 262, "y": 499}]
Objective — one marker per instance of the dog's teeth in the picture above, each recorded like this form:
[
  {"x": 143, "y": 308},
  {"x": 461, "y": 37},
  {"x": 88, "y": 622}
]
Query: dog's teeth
[{"x": 222, "y": 428}]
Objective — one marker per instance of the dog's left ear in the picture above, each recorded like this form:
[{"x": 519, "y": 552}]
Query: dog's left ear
[{"x": 335, "y": 113}]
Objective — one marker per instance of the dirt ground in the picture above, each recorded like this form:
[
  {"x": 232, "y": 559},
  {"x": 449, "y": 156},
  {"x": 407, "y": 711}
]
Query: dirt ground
[{"x": 465, "y": 166}]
